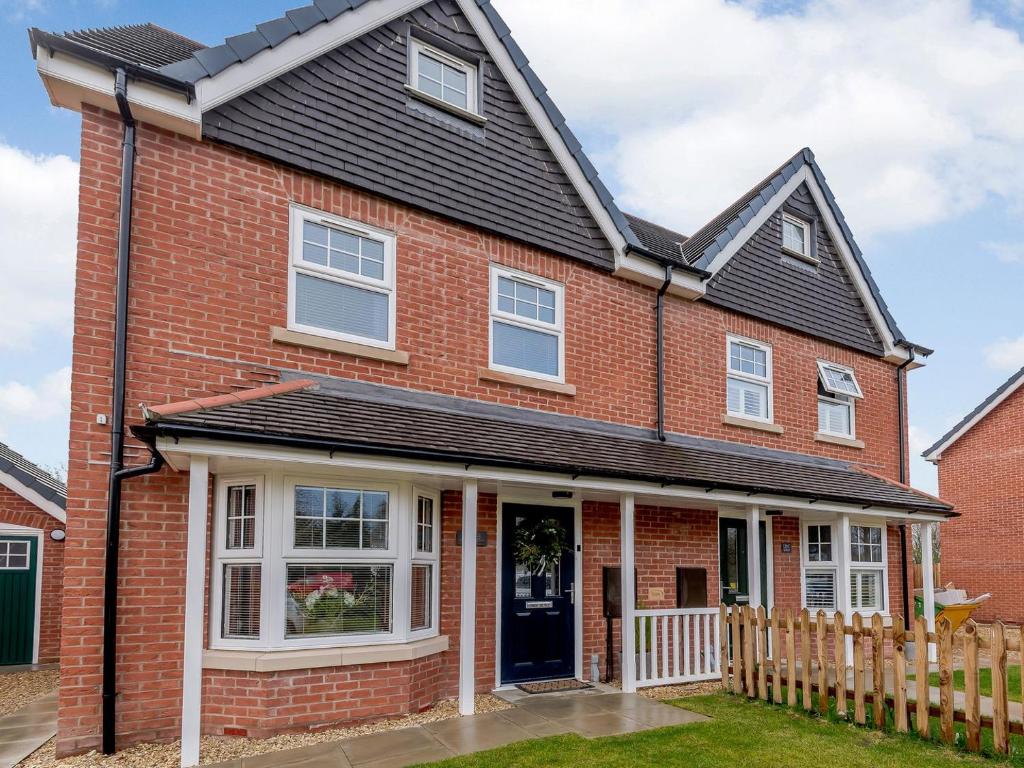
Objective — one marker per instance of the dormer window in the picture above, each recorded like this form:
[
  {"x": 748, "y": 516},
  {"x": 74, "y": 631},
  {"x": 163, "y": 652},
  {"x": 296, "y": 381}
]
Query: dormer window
[
  {"x": 443, "y": 78},
  {"x": 796, "y": 237}
]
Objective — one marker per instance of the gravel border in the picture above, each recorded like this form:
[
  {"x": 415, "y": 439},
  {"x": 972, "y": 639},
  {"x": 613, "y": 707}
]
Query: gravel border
[
  {"x": 216, "y": 749},
  {"x": 18, "y": 689}
]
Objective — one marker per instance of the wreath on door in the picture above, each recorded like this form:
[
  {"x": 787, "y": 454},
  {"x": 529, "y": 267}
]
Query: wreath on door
[{"x": 539, "y": 543}]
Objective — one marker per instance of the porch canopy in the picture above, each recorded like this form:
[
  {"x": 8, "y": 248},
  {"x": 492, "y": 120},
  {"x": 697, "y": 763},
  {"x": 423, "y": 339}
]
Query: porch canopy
[{"x": 472, "y": 445}]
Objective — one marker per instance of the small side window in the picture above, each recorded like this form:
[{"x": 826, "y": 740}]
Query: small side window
[{"x": 796, "y": 237}]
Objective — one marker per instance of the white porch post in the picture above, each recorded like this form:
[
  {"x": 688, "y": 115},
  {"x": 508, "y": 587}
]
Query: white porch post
[
  {"x": 928, "y": 583},
  {"x": 467, "y": 622},
  {"x": 754, "y": 556},
  {"x": 844, "y": 599},
  {"x": 195, "y": 577},
  {"x": 627, "y": 560}
]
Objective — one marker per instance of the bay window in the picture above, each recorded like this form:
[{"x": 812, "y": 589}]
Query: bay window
[
  {"x": 323, "y": 563},
  {"x": 820, "y": 567},
  {"x": 867, "y": 568}
]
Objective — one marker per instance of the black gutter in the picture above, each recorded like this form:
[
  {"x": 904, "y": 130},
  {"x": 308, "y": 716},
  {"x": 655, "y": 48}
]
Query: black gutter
[
  {"x": 117, "y": 470},
  {"x": 901, "y": 378},
  {"x": 659, "y": 309},
  {"x": 149, "y": 432},
  {"x": 677, "y": 264}
]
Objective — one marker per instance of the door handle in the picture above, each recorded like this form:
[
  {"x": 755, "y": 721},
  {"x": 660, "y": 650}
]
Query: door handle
[{"x": 571, "y": 591}]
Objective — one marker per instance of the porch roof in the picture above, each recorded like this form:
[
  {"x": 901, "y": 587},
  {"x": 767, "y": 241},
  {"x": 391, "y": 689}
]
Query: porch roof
[{"x": 385, "y": 421}]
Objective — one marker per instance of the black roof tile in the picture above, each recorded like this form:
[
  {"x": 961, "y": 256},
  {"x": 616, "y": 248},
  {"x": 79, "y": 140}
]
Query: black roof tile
[
  {"x": 144, "y": 44},
  {"x": 32, "y": 476}
]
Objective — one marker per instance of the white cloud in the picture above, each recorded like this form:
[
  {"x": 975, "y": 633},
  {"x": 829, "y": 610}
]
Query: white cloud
[
  {"x": 1008, "y": 253},
  {"x": 905, "y": 104},
  {"x": 49, "y": 398},
  {"x": 919, "y": 439},
  {"x": 1006, "y": 354},
  {"x": 38, "y": 217}
]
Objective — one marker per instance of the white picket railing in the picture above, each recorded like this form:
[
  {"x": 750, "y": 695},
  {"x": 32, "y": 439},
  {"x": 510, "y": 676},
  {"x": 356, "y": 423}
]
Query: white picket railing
[{"x": 677, "y": 645}]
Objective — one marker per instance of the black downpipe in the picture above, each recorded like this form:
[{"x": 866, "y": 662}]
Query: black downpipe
[
  {"x": 117, "y": 470},
  {"x": 660, "y": 311},
  {"x": 900, "y": 379}
]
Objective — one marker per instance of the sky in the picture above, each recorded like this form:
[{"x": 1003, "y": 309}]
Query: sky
[{"x": 914, "y": 111}]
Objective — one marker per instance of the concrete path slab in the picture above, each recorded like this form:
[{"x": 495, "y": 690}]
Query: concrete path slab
[
  {"x": 26, "y": 730},
  {"x": 590, "y": 714}
]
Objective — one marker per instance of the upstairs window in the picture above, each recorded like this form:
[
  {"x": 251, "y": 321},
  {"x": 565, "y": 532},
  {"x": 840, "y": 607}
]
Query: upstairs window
[
  {"x": 749, "y": 379},
  {"x": 526, "y": 325},
  {"x": 837, "y": 388},
  {"x": 443, "y": 77},
  {"x": 341, "y": 279},
  {"x": 796, "y": 236}
]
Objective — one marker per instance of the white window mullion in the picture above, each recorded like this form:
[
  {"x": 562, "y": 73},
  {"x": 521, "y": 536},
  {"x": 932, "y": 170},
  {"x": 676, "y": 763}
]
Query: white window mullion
[{"x": 404, "y": 517}]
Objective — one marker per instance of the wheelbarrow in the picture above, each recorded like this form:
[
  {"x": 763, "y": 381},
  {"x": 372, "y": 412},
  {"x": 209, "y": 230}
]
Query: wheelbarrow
[{"x": 951, "y": 605}]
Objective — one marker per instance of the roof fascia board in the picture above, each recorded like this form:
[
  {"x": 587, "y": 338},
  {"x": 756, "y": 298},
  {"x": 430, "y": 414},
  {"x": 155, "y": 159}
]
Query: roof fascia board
[
  {"x": 33, "y": 497},
  {"x": 934, "y": 453},
  {"x": 269, "y": 63},
  {"x": 178, "y": 452},
  {"x": 652, "y": 274},
  {"x": 72, "y": 81}
]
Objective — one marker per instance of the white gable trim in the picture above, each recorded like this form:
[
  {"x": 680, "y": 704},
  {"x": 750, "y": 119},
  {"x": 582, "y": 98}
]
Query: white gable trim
[
  {"x": 891, "y": 351},
  {"x": 33, "y": 497},
  {"x": 936, "y": 452}
]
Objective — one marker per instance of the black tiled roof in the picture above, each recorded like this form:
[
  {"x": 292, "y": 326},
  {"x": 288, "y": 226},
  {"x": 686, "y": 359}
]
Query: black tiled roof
[
  {"x": 28, "y": 474},
  {"x": 656, "y": 238},
  {"x": 325, "y": 419},
  {"x": 144, "y": 44}
]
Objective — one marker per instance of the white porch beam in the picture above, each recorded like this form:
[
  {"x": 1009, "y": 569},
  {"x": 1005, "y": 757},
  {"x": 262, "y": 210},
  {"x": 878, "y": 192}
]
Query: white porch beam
[
  {"x": 195, "y": 577},
  {"x": 627, "y": 559},
  {"x": 467, "y": 622},
  {"x": 754, "y": 556},
  {"x": 928, "y": 583}
]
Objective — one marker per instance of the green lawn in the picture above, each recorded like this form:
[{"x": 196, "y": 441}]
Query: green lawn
[
  {"x": 741, "y": 733},
  {"x": 984, "y": 681}
]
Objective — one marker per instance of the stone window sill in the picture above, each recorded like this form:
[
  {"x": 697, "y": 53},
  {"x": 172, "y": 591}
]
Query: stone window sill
[
  {"x": 314, "y": 658},
  {"x": 298, "y": 339},
  {"x": 487, "y": 374},
  {"x": 763, "y": 426},
  {"x": 823, "y": 437}
]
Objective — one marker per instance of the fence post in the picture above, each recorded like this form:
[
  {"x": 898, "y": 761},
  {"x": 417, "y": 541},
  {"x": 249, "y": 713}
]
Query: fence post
[
  {"x": 805, "y": 657},
  {"x": 945, "y": 681},
  {"x": 762, "y": 652},
  {"x": 839, "y": 630},
  {"x": 972, "y": 694},
  {"x": 878, "y": 671},
  {"x": 859, "y": 714},
  {"x": 749, "y": 659},
  {"x": 776, "y": 658},
  {"x": 790, "y": 659},
  {"x": 921, "y": 685},
  {"x": 899, "y": 660},
  {"x": 822, "y": 631},
  {"x": 723, "y": 644},
  {"x": 1000, "y": 729},
  {"x": 737, "y": 652}
]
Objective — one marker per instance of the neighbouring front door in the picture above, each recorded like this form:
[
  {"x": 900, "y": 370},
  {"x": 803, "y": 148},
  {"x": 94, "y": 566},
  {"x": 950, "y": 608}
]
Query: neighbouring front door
[
  {"x": 732, "y": 544},
  {"x": 18, "y": 566},
  {"x": 538, "y": 638}
]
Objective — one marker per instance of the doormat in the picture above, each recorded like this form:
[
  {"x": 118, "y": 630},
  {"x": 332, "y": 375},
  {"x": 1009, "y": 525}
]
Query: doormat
[{"x": 553, "y": 686}]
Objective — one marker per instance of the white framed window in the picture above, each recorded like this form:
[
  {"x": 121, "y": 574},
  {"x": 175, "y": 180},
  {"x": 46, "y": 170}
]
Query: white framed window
[
  {"x": 819, "y": 567},
  {"x": 796, "y": 237},
  {"x": 749, "y": 379},
  {"x": 329, "y": 562},
  {"x": 868, "y": 568},
  {"x": 443, "y": 77},
  {"x": 14, "y": 555},
  {"x": 837, "y": 390},
  {"x": 838, "y": 380},
  {"x": 341, "y": 279},
  {"x": 527, "y": 325}
]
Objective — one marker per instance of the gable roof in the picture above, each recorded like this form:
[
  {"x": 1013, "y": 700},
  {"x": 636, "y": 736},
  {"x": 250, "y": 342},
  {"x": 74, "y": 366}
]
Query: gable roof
[
  {"x": 658, "y": 239},
  {"x": 146, "y": 44},
  {"x": 984, "y": 408},
  {"x": 33, "y": 483},
  {"x": 368, "y": 418}
]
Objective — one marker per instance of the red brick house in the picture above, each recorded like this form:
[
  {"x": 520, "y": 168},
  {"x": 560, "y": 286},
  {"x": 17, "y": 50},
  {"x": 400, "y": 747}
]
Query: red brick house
[
  {"x": 981, "y": 470},
  {"x": 410, "y": 382},
  {"x": 32, "y": 519}
]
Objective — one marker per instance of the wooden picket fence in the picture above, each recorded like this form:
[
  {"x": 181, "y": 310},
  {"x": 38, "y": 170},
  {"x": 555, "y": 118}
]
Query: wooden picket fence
[{"x": 808, "y": 658}]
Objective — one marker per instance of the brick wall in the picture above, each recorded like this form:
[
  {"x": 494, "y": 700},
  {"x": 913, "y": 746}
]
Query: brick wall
[
  {"x": 982, "y": 475},
  {"x": 209, "y": 280},
  {"x": 15, "y": 510}
]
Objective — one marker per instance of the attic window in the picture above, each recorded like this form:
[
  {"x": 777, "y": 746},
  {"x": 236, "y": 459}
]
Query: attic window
[
  {"x": 796, "y": 237},
  {"x": 443, "y": 79}
]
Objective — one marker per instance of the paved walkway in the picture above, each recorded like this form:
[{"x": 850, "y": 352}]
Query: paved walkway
[
  {"x": 26, "y": 730},
  {"x": 589, "y": 714}
]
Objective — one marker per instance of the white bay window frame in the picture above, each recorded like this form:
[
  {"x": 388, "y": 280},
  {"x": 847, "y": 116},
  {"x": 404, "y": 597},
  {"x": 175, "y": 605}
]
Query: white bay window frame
[
  {"x": 842, "y": 563},
  {"x": 831, "y": 565},
  {"x": 744, "y": 377},
  {"x": 880, "y": 569},
  {"x": 297, "y": 265},
  {"x": 275, "y": 551},
  {"x": 555, "y": 329},
  {"x": 431, "y": 558}
]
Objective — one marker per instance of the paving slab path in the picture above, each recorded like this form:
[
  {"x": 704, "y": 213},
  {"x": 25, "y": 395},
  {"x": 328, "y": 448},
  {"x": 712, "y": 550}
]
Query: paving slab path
[{"x": 27, "y": 729}]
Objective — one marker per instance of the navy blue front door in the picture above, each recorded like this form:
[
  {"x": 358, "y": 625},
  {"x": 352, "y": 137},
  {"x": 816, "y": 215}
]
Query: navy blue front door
[{"x": 537, "y": 609}]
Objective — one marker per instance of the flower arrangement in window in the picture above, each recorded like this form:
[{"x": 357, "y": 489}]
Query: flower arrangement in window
[{"x": 336, "y": 600}]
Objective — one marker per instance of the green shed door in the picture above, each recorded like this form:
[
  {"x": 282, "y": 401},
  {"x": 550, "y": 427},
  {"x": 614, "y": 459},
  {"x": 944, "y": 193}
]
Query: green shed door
[{"x": 18, "y": 564}]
